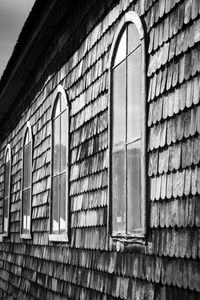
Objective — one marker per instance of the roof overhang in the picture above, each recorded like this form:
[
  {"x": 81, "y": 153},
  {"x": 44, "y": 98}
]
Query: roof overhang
[{"x": 32, "y": 41}]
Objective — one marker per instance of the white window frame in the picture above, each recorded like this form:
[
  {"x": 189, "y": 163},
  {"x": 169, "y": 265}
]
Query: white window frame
[
  {"x": 63, "y": 237},
  {"x": 7, "y": 150},
  {"x": 135, "y": 237},
  {"x": 25, "y": 235}
]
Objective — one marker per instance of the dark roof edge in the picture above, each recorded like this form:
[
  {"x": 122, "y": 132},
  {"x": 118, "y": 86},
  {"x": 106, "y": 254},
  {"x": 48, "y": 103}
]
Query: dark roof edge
[{"x": 35, "y": 20}]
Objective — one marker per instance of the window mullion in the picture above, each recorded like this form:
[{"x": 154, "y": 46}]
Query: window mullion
[
  {"x": 125, "y": 152},
  {"x": 60, "y": 173},
  {"x": 133, "y": 141},
  {"x": 59, "y": 180},
  {"x": 23, "y": 200},
  {"x": 129, "y": 54}
]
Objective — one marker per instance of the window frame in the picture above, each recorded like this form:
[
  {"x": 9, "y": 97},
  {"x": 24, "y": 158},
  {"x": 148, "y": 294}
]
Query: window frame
[
  {"x": 27, "y": 236},
  {"x": 60, "y": 237},
  {"x": 136, "y": 236},
  {"x": 7, "y": 150}
]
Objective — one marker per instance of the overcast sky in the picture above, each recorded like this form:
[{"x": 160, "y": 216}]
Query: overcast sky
[{"x": 13, "y": 14}]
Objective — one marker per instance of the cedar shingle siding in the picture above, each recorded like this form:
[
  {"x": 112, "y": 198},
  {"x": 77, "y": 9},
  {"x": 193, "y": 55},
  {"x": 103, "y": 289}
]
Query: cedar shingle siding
[{"x": 91, "y": 265}]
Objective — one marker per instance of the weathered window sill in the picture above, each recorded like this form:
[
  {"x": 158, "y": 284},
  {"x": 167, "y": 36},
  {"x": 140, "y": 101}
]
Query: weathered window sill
[
  {"x": 3, "y": 236},
  {"x": 59, "y": 238},
  {"x": 129, "y": 243},
  {"x": 25, "y": 236}
]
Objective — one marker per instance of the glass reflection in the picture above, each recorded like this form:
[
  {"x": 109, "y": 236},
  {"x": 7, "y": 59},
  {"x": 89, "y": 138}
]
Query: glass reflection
[
  {"x": 7, "y": 156},
  {"x": 133, "y": 186},
  {"x": 133, "y": 38},
  {"x": 26, "y": 211},
  {"x": 55, "y": 212},
  {"x": 134, "y": 96},
  {"x": 27, "y": 166},
  {"x": 5, "y": 219},
  {"x": 63, "y": 202},
  {"x": 119, "y": 105},
  {"x": 63, "y": 103},
  {"x": 119, "y": 192},
  {"x": 57, "y": 110},
  {"x": 63, "y": 146},
  {"x": 56, "y": 146},
  {"x": 121, "y": 51},
  {"x": 126, "y": 133},
  {"x": 6, "y": 182},
  {"x": 27, "y": 137}
]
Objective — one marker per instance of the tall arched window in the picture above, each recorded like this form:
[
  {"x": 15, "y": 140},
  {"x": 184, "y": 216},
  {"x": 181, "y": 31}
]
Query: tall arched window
[
  {"x": 7, "y": 182},
  {"x": 127, "y": 70},
  {"x": 59, "y": 194},
  {"x": 26, "y": 183}
]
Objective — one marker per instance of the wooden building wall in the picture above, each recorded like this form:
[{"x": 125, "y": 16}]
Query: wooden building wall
[{"x": 168, "y": 266}]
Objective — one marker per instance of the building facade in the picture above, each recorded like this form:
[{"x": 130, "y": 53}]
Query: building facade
[{"x": 99, "y": 152}]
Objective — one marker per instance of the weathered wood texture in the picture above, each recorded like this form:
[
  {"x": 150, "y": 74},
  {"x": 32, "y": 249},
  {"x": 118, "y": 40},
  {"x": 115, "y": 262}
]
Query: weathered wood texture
[{"x": 168, "y": 267}]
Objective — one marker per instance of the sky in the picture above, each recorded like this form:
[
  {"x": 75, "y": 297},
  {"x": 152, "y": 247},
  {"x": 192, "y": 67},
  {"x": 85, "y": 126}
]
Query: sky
[{"x": 13, "y": 14}]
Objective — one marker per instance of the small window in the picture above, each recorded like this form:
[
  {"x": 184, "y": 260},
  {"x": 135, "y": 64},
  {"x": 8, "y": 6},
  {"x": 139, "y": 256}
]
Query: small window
[
  {"x": 59, "y": 193},
  {"x": 128, "y": 129},
  {"x": 26, "y": 184},
  {"x": 7, "y": 182}
]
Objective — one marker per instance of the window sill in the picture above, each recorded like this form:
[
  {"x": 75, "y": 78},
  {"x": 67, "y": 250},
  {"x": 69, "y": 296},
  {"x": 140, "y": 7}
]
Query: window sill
[
  {"x": 136, "y": 237},
  {"x": 131, "y": 243},
  {"x": 59, "y": 238},
  {"x": 3, "y": 236},
  {"x": 25, "y": 236}
]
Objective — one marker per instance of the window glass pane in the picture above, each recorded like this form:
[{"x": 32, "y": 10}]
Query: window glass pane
[
  {"x": 7, "y": 156},
  {"x": 133, "y": 38},
  {"x": 121, "y": 50},
  {"x": 63, "y": 103},
  {"x": 7, "y": 179},
  {"x": 27, "y": 137},
  {"x": 27, "y": 166},
  {"x": 63, "y": 202},
  {"x": 56, "y": 145},
  {"x": 5, "y": 211},
  {"x": 134, "y": 96},
  {"x": 26, "y": 211},
  {"x": 119, "y": 105},
  {"x": 134, "y": 186},
  {"x": 57, "y": 107},
  {"x": 6, "y": 195},
  {"x": 55, "y": 208},
  {"x": 5, "y": 207},
  {"x": 118, "y": 191},
  {"x": 64, "y": 140}
]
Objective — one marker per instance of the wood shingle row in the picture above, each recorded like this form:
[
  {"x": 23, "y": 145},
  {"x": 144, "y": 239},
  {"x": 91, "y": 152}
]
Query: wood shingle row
[{"x": 89, "y": 267}]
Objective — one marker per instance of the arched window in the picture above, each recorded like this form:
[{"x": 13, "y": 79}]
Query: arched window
[
  {"x": 7, "y": 182},
  {"x": 127, "y": 77},
  {"x": 26, "y": 183},
  {"x": 59, "y": 193}
]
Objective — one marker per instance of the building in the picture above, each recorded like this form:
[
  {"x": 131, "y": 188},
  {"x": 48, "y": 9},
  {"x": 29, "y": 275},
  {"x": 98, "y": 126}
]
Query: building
[{"x": 99, "y": 152}]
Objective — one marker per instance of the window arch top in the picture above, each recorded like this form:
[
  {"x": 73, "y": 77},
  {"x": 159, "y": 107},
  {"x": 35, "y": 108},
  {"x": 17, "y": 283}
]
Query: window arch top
[
  {"x": 60, "y": 104},
  {"x": 135, "y": 26},
  {"x": 27, "y": 134},
  {"x": 128, "y": 42},
  {"x": 8, "y": 153}
]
